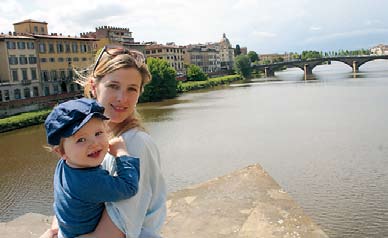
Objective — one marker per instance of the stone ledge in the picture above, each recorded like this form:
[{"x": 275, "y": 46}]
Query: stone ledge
[{"x": 247, "y": 203}]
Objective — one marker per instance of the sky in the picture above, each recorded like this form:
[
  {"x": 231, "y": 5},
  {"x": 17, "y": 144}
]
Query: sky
[{"x": 263, "y": 26}]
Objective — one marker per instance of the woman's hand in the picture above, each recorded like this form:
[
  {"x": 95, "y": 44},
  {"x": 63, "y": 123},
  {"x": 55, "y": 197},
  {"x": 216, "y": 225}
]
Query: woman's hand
[
  {"x": 117, "y": 147},
  {"x": 50, "y": 233}
]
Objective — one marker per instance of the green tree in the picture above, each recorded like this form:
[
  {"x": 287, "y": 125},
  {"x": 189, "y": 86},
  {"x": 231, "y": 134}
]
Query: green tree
[
  {"x": 237, "y": 50},
  {"x": 253, "y": 56},
  {"x": 163, "y": 83},
  {"x": 306, "y": 55},
  {"x": 242, "y": 65},
  {"x": 195, "y": 73}
]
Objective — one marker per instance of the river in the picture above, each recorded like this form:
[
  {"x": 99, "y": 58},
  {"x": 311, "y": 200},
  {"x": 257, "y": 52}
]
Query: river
[{"x": 325, "y": 141}]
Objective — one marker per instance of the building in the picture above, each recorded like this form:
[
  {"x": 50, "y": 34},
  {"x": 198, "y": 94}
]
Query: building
[
  {"x": 380, "y": 50},
  {"x": 226, "y": 52},
  {"x": 170, "y": 52},
  {"x": 272, "y": 58},
  {"x": 19, "y": 72},
  {"x": 208, "y": 59},
  {"x": 36, "y": 64},
  {"x": 110, "y": 35},
  {"x": 244, "y": 50}
]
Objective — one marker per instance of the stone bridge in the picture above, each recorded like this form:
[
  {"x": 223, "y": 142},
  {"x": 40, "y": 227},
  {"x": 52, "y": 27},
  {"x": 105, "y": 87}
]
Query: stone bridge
[{"x": 308, "y": 65}]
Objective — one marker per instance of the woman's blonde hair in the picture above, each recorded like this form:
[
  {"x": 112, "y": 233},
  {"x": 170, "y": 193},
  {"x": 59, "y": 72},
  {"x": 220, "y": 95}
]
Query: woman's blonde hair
[{"x": 107, "y": 63}]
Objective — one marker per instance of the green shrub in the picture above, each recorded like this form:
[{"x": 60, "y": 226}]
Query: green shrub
[
  {"x": 193, "y": 85},
  {"x": 23, "y": 120}
]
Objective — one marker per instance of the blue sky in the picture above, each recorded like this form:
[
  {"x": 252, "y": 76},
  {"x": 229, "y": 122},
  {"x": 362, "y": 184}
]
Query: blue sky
[{"x": 265, "y": 26}]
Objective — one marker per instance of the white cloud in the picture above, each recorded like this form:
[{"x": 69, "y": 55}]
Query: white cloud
[
  {"x": 340, "y": 36},
  {"x": 315, "y": 28},
  {"x": 272, "y": 25},
  {"x": 263, "y": 34}
]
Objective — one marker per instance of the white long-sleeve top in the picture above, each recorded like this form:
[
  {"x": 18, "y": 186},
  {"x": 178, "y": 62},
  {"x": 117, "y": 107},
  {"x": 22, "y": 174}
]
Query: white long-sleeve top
[{"x": 142, "y": 215}]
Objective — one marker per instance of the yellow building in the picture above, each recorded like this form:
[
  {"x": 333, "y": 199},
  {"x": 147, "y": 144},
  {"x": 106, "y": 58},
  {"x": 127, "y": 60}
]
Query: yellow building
[
  {"x": 35, "y": 64},
  {"x": 19, "y": 73}
]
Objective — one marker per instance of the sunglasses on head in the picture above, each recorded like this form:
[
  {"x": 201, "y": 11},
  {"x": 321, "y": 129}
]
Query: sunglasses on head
[{"x": 114, "y": 50}]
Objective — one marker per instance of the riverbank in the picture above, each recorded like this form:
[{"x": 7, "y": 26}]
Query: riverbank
[
  {"x": 37, "y": 117},
  {"x": 245, "y": 203}
]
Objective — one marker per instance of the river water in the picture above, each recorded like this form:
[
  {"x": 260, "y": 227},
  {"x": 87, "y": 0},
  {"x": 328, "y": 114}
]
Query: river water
[{"x": 325, "y": 141}]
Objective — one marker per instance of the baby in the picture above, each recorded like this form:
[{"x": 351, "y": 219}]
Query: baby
[{"x": 77, "y": 133}]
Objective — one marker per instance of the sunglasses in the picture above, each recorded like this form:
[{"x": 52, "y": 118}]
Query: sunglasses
[{"x": 114, "y": 50}]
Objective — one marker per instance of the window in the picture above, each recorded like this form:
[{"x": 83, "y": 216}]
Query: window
[
  {"x": 13, "y": 60},
  {"x": 11, "y": 45},
  {"x": 51, "y": 48},
  {"x": 32, "y": 59},
  {"x": 67, "y": 48},
  {"x": 27, "y": 93},
  {"x": 76, "y": 59},
  {"x": 42, "y": 30},
  {"x": 84, "y": 48},
  {"x": 159, "y": 50},
  {"x": 1, "y": 96},
  {"x": 35, "y": 91},
  {"x": 21, "y": 45},
  {"x": 60, "y": 48},
  {"x": 53, "y": 74},
  {"x": 62, "y": 74},
  {"x": 42, "y": 48},
  {"x": 6, "y": 95},
  {"x": 46, "y": 91},
  {"x": 45, "y": 76},
  {"x": 84, "y": 59},
  {"x": 16, "y": 93},
  {"x": 35, "y": 29},
  {"x": 33, "y": 74},
  {"x": 56, "y": 89},
  {"x": 23, "y": 59},
  {"x": 68, "y": 59},
  {"x": 43, "y": 60},
  {"x": 24, "y": 74},
  {"x": 51, "y": 60},
  {"x": 30, "y": 45},
  {"x": 15, "y": 75},
  {"x": 74, "y": 47},
  {"x": 60, "y": 59}
]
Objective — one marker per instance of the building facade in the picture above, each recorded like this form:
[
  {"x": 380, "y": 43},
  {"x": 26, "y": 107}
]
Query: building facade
[
  {"x": 172, "y": 53},
  {"x": 226, "y": 52},
  {"x": 208, "y": 59},
  {"x": 110, "y": 35},
  {"x": 379, "y": 50},
  {"x": 36, "y": 64},
  {"x": 19, "y": 71}
]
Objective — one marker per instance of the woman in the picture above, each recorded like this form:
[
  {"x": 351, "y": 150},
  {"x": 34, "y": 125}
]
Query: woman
[{"x": 116, "y": 81}]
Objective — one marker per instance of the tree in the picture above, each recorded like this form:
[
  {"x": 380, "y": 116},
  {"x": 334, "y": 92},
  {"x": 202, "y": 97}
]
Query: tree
[
  {"x": 195, "y": 73},
  {"x": 237, "y": 51},
  {"x": 253, "y": 56},
  {"x": 306, "y": 55},
  {"x": 242, "y": 65},
  {"x": 163, "y": 83}
]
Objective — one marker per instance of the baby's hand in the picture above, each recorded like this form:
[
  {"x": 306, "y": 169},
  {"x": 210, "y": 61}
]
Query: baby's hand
[{"x": 117, "y": 147}]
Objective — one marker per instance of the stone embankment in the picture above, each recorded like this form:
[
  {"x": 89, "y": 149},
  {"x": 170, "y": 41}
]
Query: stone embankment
[{"x": 247, "y": 203}]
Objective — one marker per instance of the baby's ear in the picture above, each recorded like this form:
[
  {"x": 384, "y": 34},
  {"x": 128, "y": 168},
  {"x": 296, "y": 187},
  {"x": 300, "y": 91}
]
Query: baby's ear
[{"x": 57, "y": 149}]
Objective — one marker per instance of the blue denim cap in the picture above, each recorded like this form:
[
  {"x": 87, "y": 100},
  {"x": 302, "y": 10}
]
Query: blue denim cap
[{"x": 68, "y": 117}]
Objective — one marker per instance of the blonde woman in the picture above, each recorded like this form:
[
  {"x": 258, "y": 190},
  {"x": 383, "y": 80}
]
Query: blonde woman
[{"x": 116, "y": 82}]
